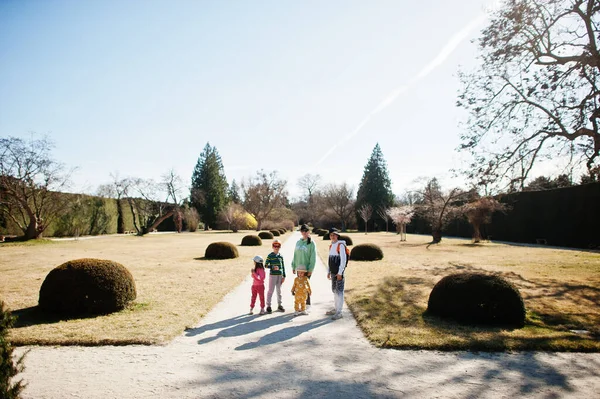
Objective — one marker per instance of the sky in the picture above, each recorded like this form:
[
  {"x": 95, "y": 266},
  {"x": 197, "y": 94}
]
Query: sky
[{"x": 139, "y": 87}]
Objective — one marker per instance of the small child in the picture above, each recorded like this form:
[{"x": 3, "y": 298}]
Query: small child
[
  {"x": 301, "y": 290},
  {"x": 276, "y": 277},
  {"x": 258, "y": 284}
]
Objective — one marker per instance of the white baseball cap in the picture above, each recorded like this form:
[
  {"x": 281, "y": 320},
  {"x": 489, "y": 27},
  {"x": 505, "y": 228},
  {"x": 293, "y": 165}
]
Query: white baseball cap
[{"x": 258, "y": 259}]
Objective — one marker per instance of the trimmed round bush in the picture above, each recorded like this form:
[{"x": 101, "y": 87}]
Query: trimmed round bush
[
  {"x": 265, "y": 235},
  {"x": 221, "y": 250},
  {"x": 251, "y": 241},
  {"x": 322, "y": 232},
  {"x": 315, "y": 230},
  {"x": 284, "y": 229},
  {"x": 477, "y": 298},
  {"x": 275, "y": 233},
  {"x": 85, "y": 286},
  {"x": 326, "y": 237},
  {"x": 281, "y": 231},
  {"x": 366, "y": 252},
  {"x": 347, "y": 239}
]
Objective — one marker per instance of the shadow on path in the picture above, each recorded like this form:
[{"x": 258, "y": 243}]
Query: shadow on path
[
  {"x": 241, "y": 325},
  {"x": 284, "y": 334}
]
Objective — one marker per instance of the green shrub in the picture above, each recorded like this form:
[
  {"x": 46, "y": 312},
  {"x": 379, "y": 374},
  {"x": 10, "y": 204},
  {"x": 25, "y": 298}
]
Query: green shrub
[
  {"x": 477, "y": 298},
  {"x": 265, "y": 235},
  {"x": 281, "y": 231},
  {"x": 315, "y": 230},
  {"x": 326, "y": 237},
  {"x": 87, "y": 286},
  {"x": 8, "y": 367},
  {"x": 322, "y": 232},
  {"x": 284, "y": 230},
  {"x": 251, "y": 240},
  {"x": 275, "y": 233},
  {"x": 221, "y": 250},
  {"x": 366, "y": 252},
  {"x": 347, "y": 239}
]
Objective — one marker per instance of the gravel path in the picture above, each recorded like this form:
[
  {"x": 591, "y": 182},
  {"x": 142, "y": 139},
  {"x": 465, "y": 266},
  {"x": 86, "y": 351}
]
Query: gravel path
[{"x": 231, "y": 354}]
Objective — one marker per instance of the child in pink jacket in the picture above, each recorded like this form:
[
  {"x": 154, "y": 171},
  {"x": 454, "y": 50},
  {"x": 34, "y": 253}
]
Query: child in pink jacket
[{"x": 258, "y": 284}]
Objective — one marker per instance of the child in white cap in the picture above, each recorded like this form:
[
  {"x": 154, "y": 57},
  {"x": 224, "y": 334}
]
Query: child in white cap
[
  {"x": 258, "y": 284},
  {"x": 301, "y": 290}
]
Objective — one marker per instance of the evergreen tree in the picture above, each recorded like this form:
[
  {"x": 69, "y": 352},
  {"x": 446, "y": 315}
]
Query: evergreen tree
[
  {"x": 209, "y": 186},
  {"x": 8, "y": 367},
  {"x": 234, "y": 193},
  {"x": 375, "y": 187}
]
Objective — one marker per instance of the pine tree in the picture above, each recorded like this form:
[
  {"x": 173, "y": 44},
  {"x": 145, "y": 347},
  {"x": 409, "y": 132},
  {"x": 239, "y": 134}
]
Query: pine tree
[
  {"x": 234, "y": 193},
  {"x": 375, "y": 187},
  {"x": 209, "y": 186},
  {"x": 8, "y": 368}
]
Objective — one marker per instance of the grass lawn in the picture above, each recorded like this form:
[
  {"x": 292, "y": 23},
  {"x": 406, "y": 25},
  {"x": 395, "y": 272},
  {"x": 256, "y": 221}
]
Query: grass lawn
[
  {"x": 175, "y": 287},
  {"x": 560, "y": 287}
]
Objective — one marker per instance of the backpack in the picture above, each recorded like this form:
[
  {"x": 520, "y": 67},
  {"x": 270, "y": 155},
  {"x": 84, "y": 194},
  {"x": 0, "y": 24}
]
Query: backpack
[{"x": 347, "y": 252}]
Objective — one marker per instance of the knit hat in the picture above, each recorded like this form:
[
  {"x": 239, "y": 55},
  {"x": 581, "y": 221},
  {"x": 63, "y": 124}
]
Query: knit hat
[{"x": 258, "y": 259}]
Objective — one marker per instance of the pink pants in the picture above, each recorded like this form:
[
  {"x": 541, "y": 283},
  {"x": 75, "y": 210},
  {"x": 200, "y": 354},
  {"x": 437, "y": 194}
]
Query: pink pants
[{"x": 258, "y": 290}]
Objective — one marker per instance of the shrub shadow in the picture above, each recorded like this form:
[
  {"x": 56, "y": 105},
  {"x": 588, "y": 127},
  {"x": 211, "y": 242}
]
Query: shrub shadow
[{"x": 34, "y": 315}]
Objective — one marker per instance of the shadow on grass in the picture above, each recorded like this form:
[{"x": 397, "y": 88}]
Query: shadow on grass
[
  {"x": 400, "y": 303},
  {"x": 34, "y": 315},
  {"x": 211, "y": 259}
]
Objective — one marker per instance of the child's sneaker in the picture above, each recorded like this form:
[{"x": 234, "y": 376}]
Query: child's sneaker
[
  {"x": 280, "y": 309},
  {"x": 251, "y": 311},
  {"x": 330, "y": 312},
  {"x": 269, "y": 310},
  {"x": 296, "y": 313},
  {"x": 304, "y": 312},
  {"x": 262, "y": 311},
  {"x": 336, "y": 316}
]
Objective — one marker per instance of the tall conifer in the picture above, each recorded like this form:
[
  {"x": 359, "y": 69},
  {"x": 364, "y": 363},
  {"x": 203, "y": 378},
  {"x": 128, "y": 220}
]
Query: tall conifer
[
  {"x": 209, "y": 186},
  {"x": 375, "y": 187}
]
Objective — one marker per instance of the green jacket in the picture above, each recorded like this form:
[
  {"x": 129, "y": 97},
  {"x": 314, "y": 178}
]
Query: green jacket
[{"x": 305, "y": 254}]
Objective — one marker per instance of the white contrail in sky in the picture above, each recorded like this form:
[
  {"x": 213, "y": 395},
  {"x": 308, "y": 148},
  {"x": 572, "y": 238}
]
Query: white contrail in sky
[{"x": 446, "y": 51}]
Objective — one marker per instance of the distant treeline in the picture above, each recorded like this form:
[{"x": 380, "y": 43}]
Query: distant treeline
[
  {"x": 567, "y": 217},
  {"x": 86, "y": 215}
]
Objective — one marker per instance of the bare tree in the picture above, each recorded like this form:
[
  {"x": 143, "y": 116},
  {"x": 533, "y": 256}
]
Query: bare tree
[
  {"x": 339, "y": 198},
  {"x": 149, "y": 211},
  {"x": 401, "y": 216},
  {"x": 30, "y": 184},
  {"x": 235, "y": 216},
  {"x": 262, "y": 193},
  {"x": 118, "y": 189},
  {"x": 438, "y": 207},
  {"x": 365, "y": 212},
  {"x": 480, "y": 212},
  {"x": 383, "y": 213},
  {"x": 310, "y": 184},
  {"x": 535, "y": 94}
]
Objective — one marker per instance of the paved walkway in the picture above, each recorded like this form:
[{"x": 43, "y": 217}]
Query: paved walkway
[{"x": 231, "y": 354}]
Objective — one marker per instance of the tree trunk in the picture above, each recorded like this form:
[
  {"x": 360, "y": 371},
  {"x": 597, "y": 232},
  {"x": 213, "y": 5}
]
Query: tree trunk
[
  {"x": 120, "y": 219},
  {"x": 32, "y": 231},
  {"x": 158, "y": 221},
  {"x": 437, "y": 235},
  {"x": 476, "y": 233}
]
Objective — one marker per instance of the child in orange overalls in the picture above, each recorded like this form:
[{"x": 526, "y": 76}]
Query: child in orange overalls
[{"x": 301, "y": 290}]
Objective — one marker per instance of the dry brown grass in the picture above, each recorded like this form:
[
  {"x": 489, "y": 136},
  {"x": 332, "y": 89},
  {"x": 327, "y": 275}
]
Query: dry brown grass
[
  {"x": 175, "y": 287},
  {"x": 560, "y": 287}
]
